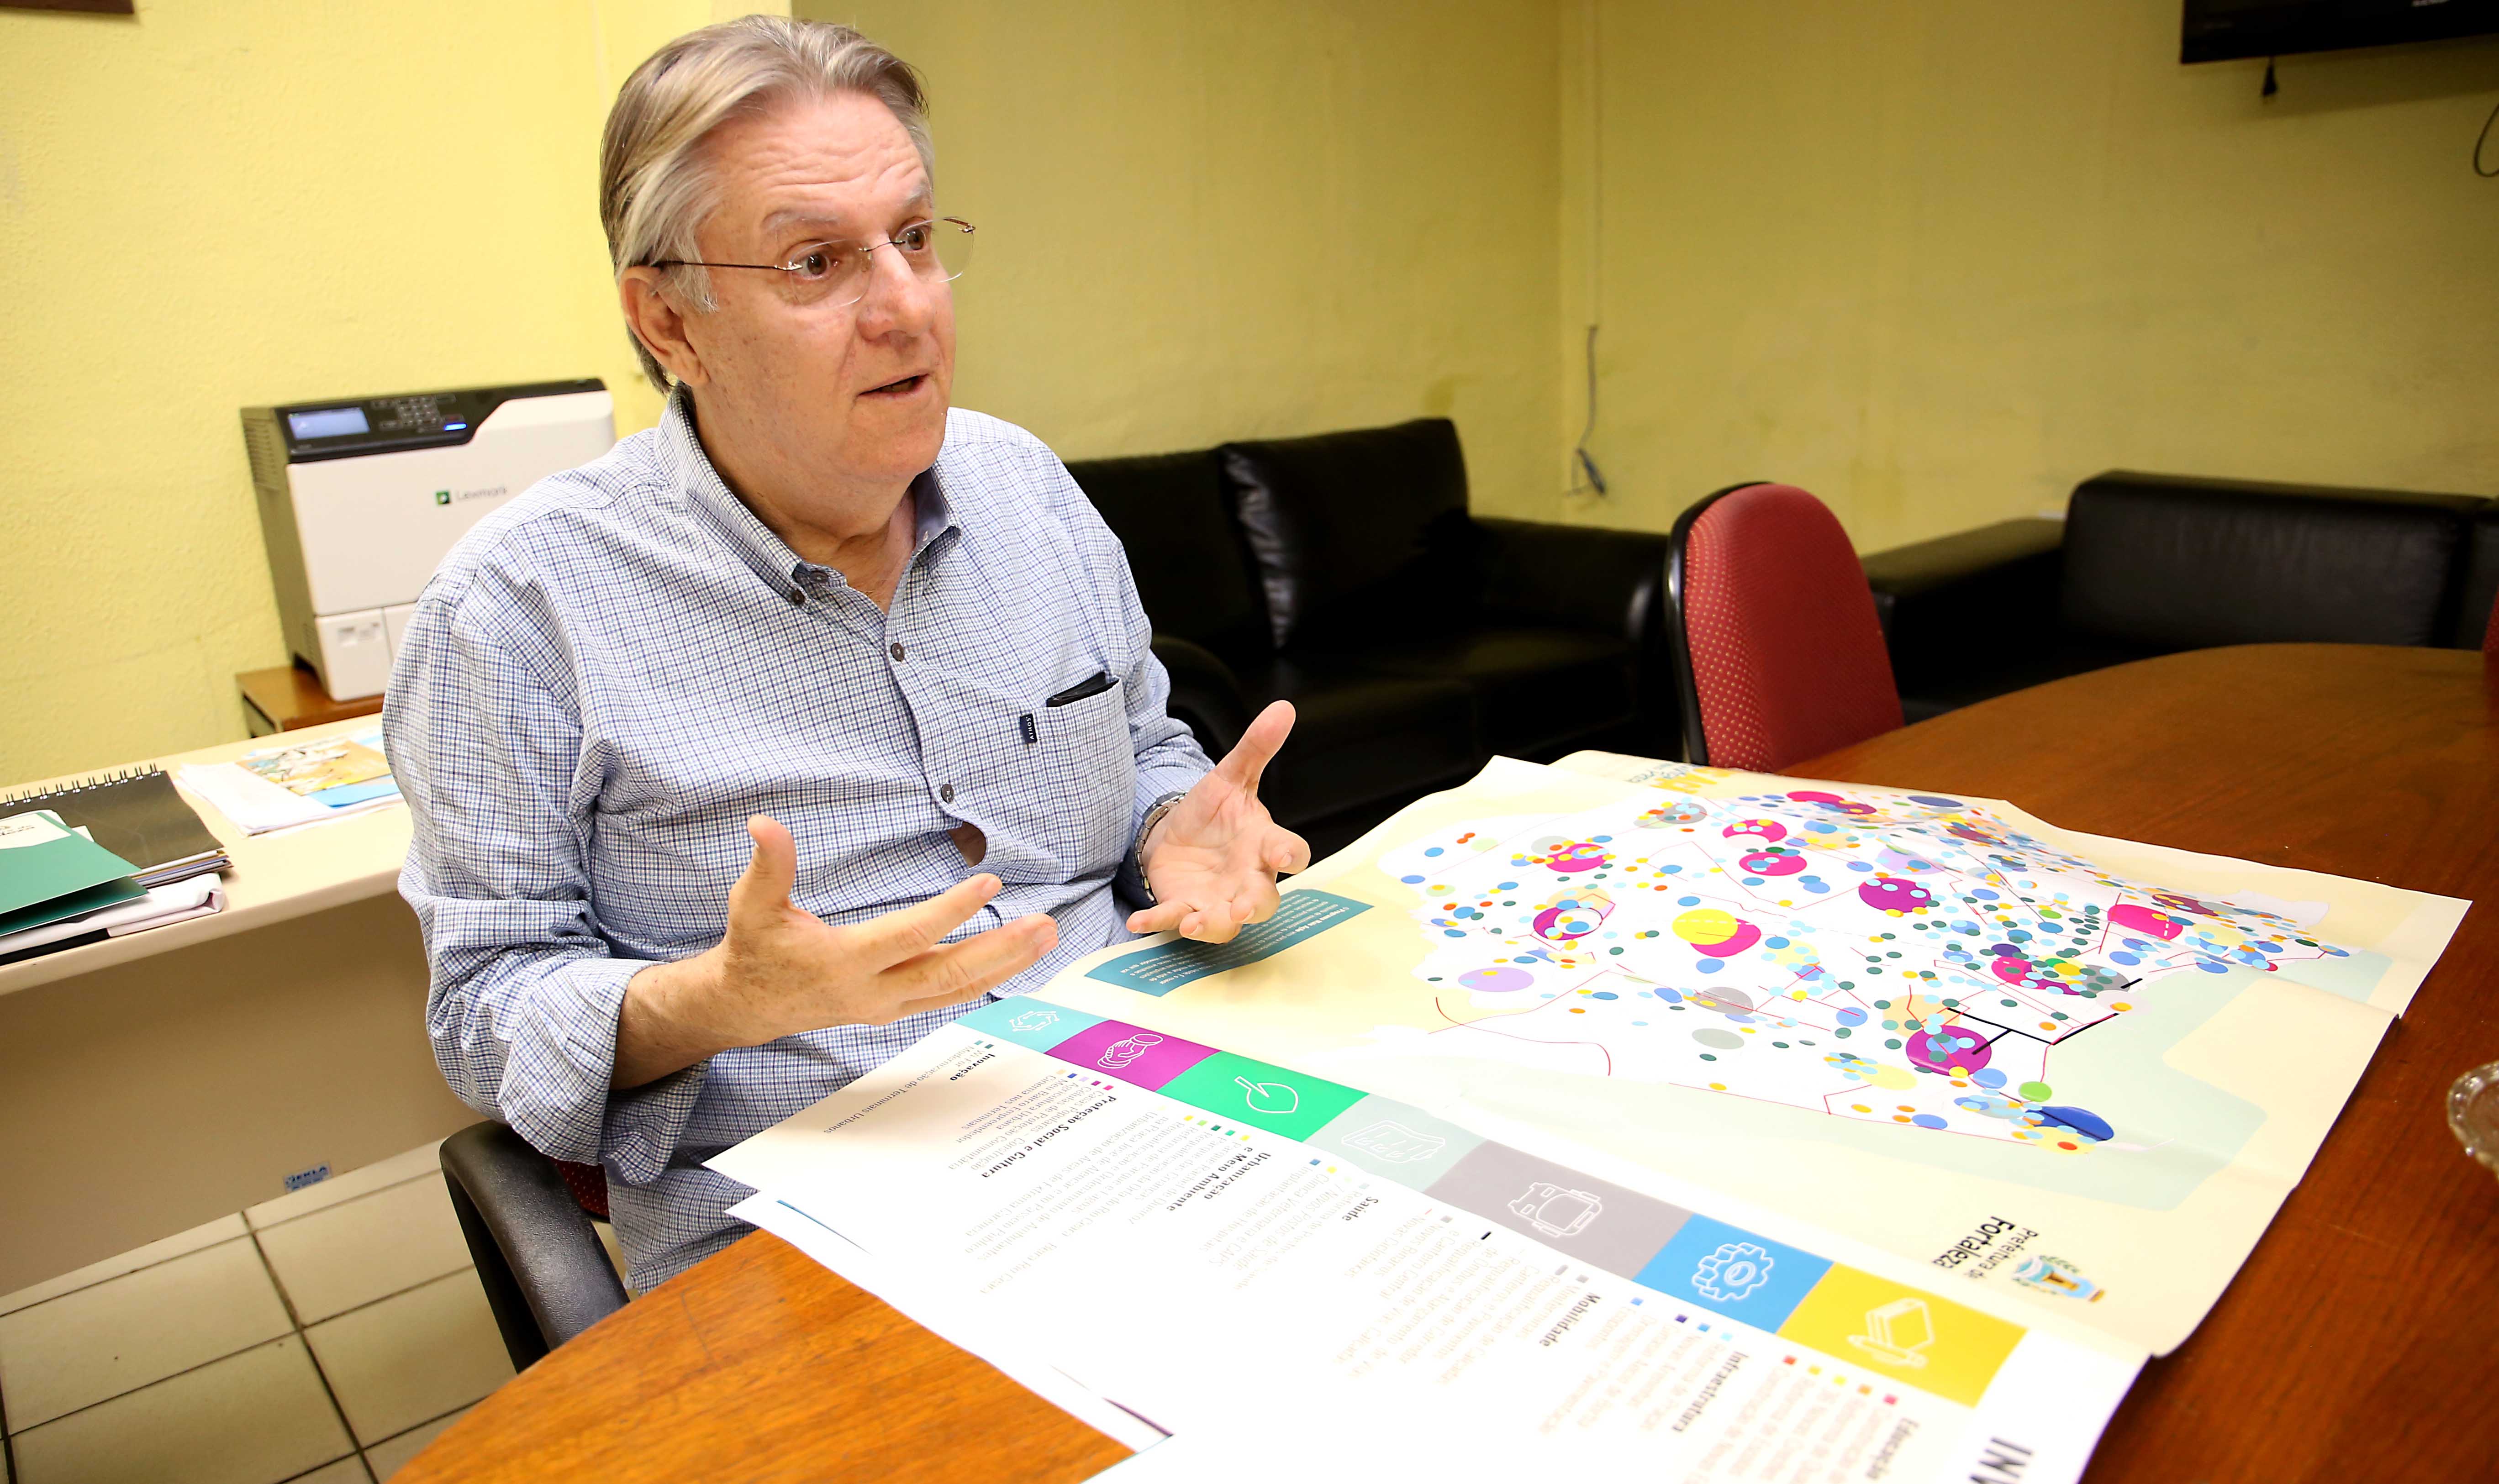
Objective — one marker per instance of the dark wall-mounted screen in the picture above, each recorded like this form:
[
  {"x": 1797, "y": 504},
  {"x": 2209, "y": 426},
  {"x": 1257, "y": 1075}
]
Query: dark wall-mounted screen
[{"x": 2216, "y": 30}]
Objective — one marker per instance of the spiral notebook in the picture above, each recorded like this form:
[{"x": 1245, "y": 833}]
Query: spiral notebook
[{"x": 135, "y": 814}]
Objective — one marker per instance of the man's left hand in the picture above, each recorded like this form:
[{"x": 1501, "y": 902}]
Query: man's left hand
[{"x": 1214, "y": 857}]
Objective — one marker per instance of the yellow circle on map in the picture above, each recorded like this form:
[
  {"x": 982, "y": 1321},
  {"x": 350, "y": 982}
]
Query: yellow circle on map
[
  {"x": 1706, "y": 927},
  {"x": 1894, "y": 1078}
]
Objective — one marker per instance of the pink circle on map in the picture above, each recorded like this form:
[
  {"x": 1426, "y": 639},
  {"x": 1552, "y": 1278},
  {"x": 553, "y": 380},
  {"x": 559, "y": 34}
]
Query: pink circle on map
[
  {"x": 1773, "y": 862},
  {"x": 1743, "y": 937},
  {"x": 1889, "y": 893},
  {"x": 1579, "y": 856},
  {"x": 2143, "y": 920},
  {"x": 1949, "y": 1049},
  {"x": 1568, "y": 921},
  {"x": 1498, "y": 978},
  {"x": 1772, "y": 831},
  {"x": 2013, "y": 971}
]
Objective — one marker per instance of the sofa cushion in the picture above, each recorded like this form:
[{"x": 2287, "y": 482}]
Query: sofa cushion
[
  {"x": 1354, "y": 534},
  {"x": 1532, "y": 689},
  {"x": 2169, "y": 562},
  {"x": 2481, "y": 584},
  {"x": 1173, "y": 514},
  {"x": 1358, "y": 735}
]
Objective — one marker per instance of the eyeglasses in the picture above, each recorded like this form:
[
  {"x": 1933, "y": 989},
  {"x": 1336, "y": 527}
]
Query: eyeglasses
[{"x": 838, "y": 273}]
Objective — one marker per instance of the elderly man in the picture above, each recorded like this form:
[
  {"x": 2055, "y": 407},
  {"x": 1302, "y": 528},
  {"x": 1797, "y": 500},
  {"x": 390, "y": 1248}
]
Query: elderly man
[{"x": 704, "y": 740}]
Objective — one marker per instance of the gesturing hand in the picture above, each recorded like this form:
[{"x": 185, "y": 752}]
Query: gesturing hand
[
  {"x": 1214, "y": 857},
  {"x": 779, "y": 969}
]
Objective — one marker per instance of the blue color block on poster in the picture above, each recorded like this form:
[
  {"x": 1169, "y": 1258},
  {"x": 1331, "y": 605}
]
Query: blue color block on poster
[
  {"x": 1166, "y": 967},
  {"x": 1734, "y": 1272},
  {"x": 1027, "y": 1021}
]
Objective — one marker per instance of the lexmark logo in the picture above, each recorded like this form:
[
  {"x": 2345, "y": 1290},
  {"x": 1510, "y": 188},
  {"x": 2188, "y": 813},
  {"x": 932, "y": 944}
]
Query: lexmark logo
[{"x": 491, "y": 492}]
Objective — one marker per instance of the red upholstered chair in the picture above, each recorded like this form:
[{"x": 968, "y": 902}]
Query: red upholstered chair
[
  {"x": 588, "y": 1186},
  {"x": 2490, "y": 635},
  {"x": 1776, "y": 647}
]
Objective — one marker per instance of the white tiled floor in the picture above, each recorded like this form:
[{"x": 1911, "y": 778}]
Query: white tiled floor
[{"x": 323, "y": 1339}]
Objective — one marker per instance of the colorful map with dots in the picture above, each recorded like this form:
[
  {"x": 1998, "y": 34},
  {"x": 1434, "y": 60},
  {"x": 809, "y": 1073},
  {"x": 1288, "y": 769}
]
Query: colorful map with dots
[{"x": 1908, "y": 959}]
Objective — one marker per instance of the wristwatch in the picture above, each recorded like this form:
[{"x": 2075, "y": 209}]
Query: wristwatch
[{"x": 1154, "y": 815}]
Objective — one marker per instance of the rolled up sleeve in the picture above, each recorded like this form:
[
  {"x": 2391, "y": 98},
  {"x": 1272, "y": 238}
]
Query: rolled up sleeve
[{"x": 525, "y": 993}]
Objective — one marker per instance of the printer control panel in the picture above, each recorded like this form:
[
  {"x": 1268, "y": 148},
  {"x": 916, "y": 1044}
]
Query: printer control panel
[{"x": 314, "y": 431}]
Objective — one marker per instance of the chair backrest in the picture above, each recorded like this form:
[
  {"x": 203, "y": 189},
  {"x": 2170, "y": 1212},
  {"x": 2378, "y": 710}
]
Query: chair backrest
[
  {"x": 545, "y": 1274},
  {"x": 1778, "y": 651}
]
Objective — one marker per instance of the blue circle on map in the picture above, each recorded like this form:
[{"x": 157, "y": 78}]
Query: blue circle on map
[
  {"x": 2082, "y": 1120},
  {"x": 1987, "y": 1076},
  {"x": 1852, "y": 1016},
  {"x": 1434, "y": 850},
  {"x": 1412, "y": 881},
  {"x": 1669, "y": 997},
  {"x": 1604, "y": 995},
  {"x": 1936, "y": 799},
  {"x": 1926, "y": 1120},
  {"x": 1861, "y": 865},
  {"x": 1687, "y": 901}
]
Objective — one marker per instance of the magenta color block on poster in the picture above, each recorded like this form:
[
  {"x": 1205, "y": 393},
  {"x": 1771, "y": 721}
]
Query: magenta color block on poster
[{"x": 1131, "y": 1053}]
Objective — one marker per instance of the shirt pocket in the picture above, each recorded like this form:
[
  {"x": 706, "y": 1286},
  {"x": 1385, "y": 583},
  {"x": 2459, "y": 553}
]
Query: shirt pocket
[{"x": 1084, "y": 782}]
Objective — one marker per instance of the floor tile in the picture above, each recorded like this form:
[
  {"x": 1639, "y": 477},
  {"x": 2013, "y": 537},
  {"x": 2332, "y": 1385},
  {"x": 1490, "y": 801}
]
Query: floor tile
[
  {"x": 412, "y": 1357},
  {"x": 424, "y": 1160},
  {"x": 390, "y": 1456},
  {"x": 222, "y": 1229},
  {"x": 367, "y": 1248},
  {"x": 248, "y": 1419},
  {"x": 100, "y": 1342}
]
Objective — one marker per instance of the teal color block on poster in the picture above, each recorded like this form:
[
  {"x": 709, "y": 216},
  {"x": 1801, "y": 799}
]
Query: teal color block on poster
[{"x": 1166, "y": 967}]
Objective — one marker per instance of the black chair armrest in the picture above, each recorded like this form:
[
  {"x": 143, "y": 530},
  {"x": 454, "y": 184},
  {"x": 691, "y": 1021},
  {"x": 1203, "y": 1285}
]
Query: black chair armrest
[
  {"x": 1576, "y": 576},
  {"x": 1996, "y": 588},
  {"x": 545, "y": 1274},
  {"x": 1205, "y": 694}
]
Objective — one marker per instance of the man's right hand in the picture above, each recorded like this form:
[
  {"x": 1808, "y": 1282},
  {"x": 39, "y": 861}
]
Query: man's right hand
[{"x": 779, "y": 969}]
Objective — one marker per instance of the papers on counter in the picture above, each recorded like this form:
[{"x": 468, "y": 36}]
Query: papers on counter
[
  {"x": 160, "y": 907},
  {"x": 280, "y": 787}
]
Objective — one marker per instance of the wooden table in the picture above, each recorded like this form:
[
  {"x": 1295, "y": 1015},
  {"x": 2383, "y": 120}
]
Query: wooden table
[
  {"x": 2360, "y": 1341},
  {"x": 287, "y": 696}
]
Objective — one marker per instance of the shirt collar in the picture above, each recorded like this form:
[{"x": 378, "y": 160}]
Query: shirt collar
[{"x": 772, "y": 559}]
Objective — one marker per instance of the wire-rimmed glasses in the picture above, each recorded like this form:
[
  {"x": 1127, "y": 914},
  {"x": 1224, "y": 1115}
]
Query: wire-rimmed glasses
[{"x": 838, "y": 273}]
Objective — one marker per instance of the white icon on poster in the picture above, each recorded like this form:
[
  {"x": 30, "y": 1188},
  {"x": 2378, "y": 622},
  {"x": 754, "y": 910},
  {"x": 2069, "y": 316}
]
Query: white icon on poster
[
  {"x": 1274, "y": 1099},
  {"x": 1393, "y": 1143},
  {"x": 1732, "y": 1272},
  {"x": 1034, "y": 1019},
  {"x": 1557, "y": 1211},
  {"x": 1121, "y": 1052},
  {"x": 1898, "y": 1333}
]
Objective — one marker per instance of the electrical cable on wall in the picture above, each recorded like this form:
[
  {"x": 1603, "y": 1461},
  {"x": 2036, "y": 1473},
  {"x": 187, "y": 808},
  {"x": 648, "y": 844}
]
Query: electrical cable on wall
[{"x": 1585, "y": 462}]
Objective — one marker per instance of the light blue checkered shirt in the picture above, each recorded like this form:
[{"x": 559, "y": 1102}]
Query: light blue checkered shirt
[{"x": 613, "y": 671}]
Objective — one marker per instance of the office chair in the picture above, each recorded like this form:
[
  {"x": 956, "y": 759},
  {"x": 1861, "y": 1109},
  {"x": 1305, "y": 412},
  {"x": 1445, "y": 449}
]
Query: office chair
[
  {"x": 1777, "y": 652},
  {"x": 2490, "y": 635},
  {"x": 545, "y": 1274}
]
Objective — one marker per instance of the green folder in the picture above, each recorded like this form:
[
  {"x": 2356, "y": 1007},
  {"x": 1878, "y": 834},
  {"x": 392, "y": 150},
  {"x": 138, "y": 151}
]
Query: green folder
[{"x": 48, "y": 872}]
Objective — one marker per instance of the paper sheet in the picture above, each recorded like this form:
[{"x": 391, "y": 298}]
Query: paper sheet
[
  {"x": 1242, "y": 1239},
  {"x": 2076, "y": 1072}
]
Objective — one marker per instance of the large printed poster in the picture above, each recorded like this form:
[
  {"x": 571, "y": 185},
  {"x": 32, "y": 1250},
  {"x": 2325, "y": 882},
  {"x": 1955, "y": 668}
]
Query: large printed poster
[{"x": 2080, "y": 1071}]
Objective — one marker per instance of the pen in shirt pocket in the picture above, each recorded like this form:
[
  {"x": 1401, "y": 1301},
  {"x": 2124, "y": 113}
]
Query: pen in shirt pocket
[{"x": 1080, "y": 691}]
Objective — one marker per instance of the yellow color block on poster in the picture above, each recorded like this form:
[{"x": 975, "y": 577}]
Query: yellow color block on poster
[{"x": 1902, "y": 1334}]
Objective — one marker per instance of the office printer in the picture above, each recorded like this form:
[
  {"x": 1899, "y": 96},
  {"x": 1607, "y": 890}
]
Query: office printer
[{"x": 362, "y": 497}]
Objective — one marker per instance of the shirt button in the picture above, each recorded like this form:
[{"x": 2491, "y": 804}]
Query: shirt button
[
  {"x": 797, "y": 600},
  {"x": 947, "y": 794},
  {"x": 898, "y": 651}
]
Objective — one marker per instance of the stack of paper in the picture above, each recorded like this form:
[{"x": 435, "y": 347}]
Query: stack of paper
[
  {"x": 48, "y": 872},
  {"x": 280, "y": 787}
]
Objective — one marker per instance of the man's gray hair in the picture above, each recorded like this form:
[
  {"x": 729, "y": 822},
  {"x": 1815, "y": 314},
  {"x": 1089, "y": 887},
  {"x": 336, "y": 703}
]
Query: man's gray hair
[{"x": 655, "y": 184}]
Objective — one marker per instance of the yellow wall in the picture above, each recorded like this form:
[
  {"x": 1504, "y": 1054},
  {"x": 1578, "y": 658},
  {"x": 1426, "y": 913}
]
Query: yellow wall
[
  {"x": 1202, "y": 221},
  {"x": 211, "y": 205},
  {"x": 1934, "y": 259},
  {"x": 1938, "y": 260}
]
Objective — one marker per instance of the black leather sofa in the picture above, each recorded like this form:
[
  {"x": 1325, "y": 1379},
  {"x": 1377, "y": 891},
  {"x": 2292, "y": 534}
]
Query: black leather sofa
[
  {"x": 2148, "y": 565},
  {"x": 1344, "y": 573}
]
